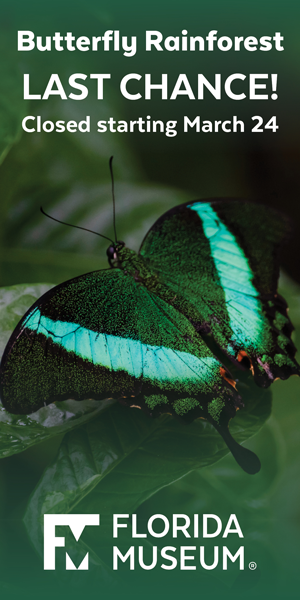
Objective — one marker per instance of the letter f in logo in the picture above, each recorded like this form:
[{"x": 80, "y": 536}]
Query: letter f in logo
[{"x": 77, "y": 524}]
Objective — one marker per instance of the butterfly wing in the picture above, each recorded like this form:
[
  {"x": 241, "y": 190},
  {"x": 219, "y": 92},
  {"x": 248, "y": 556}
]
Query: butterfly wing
[
  {"x": 221, "y": 255},
  {"x": 103, "y": 335}
]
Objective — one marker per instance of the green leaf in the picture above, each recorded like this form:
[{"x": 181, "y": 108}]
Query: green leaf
[{"x": 120, "y": 459}]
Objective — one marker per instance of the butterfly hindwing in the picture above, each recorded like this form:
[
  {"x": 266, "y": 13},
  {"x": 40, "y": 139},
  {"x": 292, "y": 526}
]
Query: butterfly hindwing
[
  {"x": 222, "y": 257},
  {"x": 104, "y": 335}
]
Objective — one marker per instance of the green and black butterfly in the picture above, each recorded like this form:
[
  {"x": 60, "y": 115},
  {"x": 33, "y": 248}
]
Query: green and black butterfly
[{"x": 134, "y": 332}]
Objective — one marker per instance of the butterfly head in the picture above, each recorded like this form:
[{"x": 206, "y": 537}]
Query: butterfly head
[{"x": 113, "y": 253}]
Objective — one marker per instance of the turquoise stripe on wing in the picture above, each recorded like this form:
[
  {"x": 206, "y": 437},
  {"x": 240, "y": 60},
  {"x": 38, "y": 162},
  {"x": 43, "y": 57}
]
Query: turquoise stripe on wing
[
  {"x": 241, "y": 297},
  {"x": 156, "y": 363}
]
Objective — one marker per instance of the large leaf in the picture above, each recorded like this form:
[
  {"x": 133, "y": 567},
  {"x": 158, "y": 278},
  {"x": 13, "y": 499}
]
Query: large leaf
[{"x": 117, "y": 461}]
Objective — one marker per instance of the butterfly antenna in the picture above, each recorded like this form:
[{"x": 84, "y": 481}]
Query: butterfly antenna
[
  {"x": 77, "y": 226},
  {"x": 113, "y": 196}
]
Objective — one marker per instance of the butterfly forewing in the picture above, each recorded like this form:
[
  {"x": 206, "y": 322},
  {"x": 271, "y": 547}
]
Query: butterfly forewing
[{"x": 104, "y": 335}]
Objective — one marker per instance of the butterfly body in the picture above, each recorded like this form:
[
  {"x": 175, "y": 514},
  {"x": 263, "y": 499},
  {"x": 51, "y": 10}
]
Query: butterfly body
[{"x": 133, "y": 332}]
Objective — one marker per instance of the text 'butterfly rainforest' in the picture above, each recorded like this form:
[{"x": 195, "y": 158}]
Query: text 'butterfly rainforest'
[{"x": 134, "y": 332}]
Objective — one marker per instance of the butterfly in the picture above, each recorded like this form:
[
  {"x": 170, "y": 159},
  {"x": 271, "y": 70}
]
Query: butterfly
[{"x": 135, "y": 332}]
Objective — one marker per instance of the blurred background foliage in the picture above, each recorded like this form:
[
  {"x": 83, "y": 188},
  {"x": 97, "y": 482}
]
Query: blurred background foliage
[{"x": 68, "y": 175}]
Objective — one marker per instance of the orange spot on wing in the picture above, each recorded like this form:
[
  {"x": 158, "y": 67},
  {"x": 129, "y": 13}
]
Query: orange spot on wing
[
  {"x": 242, "y": 354},
  {"x": 225, "y": 376}
]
